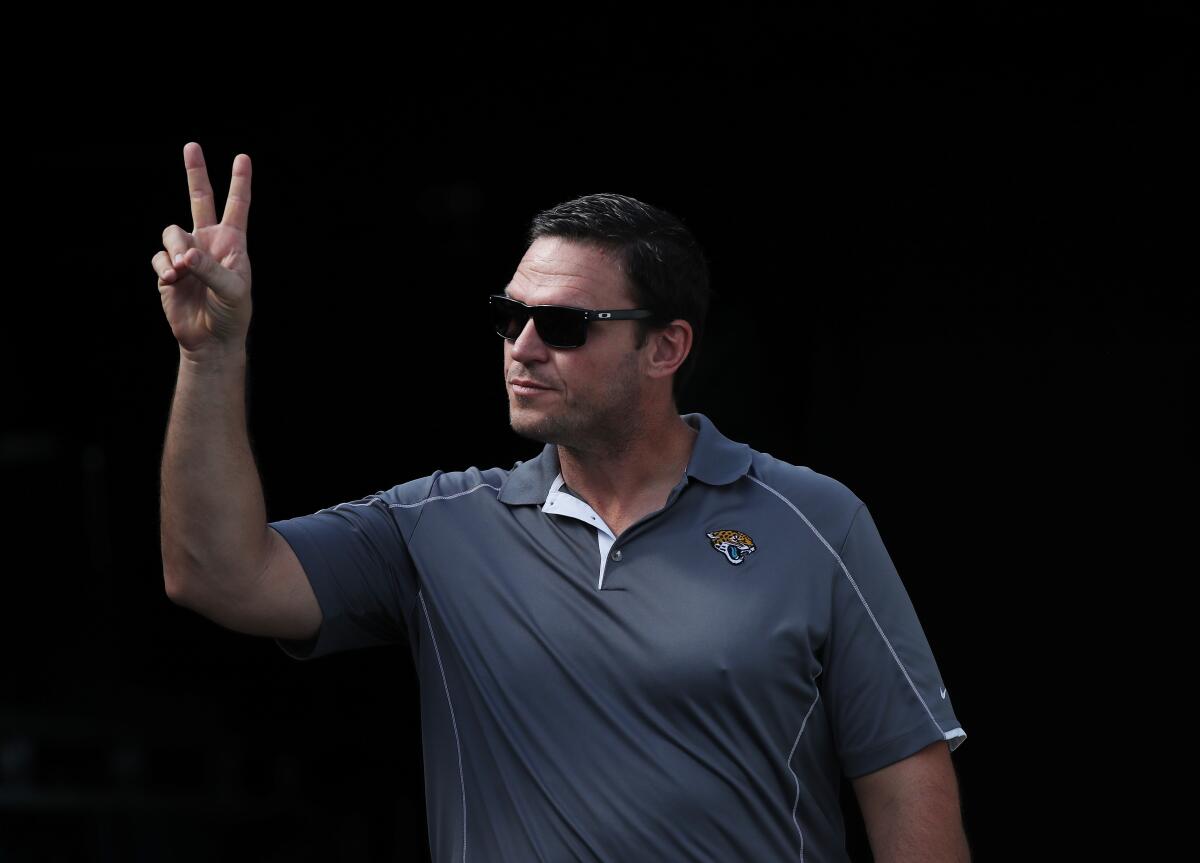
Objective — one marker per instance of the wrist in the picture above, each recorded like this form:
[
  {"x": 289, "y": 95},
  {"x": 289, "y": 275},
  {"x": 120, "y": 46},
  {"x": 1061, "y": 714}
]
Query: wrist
[{"x": 212, "y": 360}]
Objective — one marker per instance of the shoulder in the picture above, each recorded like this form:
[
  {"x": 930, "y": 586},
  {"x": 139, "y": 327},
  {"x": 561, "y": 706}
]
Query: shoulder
[
  {"x": 826, "y": 503},
  {"x": 442, "y": 484}
]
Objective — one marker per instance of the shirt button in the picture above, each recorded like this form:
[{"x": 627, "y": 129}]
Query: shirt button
[{"x": 616, "y": 555}]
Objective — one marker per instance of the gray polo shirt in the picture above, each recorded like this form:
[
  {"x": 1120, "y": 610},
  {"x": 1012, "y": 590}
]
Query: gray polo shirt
[{"x": 694, "y": 689}]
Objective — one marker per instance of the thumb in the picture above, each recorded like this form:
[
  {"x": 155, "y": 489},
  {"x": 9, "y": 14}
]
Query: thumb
[{"x": 210, "y": 271}]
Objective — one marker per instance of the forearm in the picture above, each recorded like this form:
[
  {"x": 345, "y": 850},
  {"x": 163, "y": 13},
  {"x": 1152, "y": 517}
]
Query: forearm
[{"x": 213, "y": 515}]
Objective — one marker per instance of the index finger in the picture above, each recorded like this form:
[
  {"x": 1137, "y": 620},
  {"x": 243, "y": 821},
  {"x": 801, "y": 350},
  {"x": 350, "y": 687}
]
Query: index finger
[
  {"x": 199, "y": 189},
  {"x": 237, "y": 205}
]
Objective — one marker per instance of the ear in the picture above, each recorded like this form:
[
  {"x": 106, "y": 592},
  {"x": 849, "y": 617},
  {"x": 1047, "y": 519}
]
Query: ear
[{"x": 667, "y": 348}]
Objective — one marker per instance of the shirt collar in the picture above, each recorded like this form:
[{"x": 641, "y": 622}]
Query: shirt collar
[{"x": 715, "y": 460}]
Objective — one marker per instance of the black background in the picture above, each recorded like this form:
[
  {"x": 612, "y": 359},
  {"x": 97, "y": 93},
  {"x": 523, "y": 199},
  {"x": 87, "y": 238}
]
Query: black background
[{"x": 950, "y": 262}]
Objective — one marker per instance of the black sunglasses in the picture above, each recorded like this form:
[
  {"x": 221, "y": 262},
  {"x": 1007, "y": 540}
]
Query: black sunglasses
[{"x": 557, "y": 326}]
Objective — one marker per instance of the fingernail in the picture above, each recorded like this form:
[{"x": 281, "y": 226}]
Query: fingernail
[{"x": 179, "y": 259}]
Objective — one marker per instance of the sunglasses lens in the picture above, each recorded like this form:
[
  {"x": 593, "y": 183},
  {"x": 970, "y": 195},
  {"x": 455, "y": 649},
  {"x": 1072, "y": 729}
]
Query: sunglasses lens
[
  {"x": 508, "y": 318},
  {"x": 558, "y": 328}
]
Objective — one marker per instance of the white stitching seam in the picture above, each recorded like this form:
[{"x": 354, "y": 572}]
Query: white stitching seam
[
  {"x": 461, "y": 782},
  {"x": 854, "y": 584},
  {"x": 376, "y": 498},
  {"x": 444, "y": 496},
  {"x": 793, "y": 772}
]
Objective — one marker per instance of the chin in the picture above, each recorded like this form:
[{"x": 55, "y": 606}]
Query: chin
[{"x": 531, "y": 425}]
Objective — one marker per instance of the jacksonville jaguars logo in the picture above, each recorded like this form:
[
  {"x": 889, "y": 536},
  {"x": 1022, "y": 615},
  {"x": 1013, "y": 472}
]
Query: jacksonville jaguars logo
[{"x": 734, "y": 544}]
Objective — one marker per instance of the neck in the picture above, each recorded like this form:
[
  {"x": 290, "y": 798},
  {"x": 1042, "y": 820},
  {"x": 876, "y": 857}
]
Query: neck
[{"x": 642, "y": 459}]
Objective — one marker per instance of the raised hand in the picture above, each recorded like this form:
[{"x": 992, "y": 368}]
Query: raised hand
[{"x": 204, "y": 276}]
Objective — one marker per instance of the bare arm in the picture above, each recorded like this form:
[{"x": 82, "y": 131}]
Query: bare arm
[
  {"x": 911, "y": 809},
  {"x": 219, "y": 556}
]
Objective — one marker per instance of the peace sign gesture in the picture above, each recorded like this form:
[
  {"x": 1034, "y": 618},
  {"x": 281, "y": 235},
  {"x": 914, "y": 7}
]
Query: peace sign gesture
[{"x": 204, "y": 276}]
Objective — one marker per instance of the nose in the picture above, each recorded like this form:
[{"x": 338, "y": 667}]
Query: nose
[{"x": 529, "y": 345}]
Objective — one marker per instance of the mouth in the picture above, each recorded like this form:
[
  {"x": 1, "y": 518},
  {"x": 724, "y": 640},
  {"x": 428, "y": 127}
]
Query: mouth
[
  {"x": 523, "y": 387},
  {"x": 526, "y": 389}
]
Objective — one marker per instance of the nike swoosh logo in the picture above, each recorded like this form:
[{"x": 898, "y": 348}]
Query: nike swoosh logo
[{"x": 943, "y": 693}]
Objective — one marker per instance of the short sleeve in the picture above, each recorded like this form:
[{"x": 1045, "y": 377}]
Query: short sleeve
[
  {"x": 357, "y": 560},
  {"x": 884, "y": 694}
]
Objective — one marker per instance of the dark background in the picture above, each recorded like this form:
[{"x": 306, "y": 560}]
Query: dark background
[{"x": 949, "y": 256}]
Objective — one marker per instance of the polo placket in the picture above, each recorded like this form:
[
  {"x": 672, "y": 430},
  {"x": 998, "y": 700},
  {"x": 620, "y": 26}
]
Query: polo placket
[{"x": 563, "y": 503}]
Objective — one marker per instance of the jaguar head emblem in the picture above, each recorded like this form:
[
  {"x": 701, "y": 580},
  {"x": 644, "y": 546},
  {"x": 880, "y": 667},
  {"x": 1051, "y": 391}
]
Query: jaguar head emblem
[{"x": 734, "y": 544}]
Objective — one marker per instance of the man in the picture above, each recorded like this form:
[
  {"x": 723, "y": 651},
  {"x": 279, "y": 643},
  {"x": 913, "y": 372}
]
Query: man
[{"x": 649, "y": 642}]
